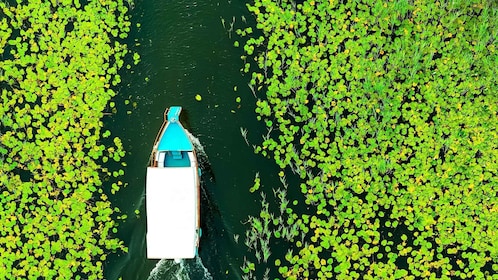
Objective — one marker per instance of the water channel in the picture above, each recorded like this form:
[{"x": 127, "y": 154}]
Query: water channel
[{"x": 186, "y": 49}]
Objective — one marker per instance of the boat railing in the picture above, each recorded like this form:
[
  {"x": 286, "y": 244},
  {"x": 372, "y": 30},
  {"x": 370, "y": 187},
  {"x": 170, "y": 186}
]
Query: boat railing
[{"x": 165, "y": 121}]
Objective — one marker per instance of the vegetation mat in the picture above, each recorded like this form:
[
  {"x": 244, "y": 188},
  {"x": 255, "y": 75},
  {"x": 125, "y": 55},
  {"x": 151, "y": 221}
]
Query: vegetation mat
[
  {"x": 60, "y": 60},
  {"x": 387, "y": 113}
]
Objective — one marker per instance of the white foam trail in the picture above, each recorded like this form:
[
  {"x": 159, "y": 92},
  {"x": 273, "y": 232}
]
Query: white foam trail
[
  {"x": 168, "y": 270},
  {"x": 199, "y": 149},
  {"x": 197, "y": 268},
  {"x": 183, "y": 270}
]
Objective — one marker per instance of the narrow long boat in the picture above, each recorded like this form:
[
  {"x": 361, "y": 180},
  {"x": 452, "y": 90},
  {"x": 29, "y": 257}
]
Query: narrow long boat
[{"x": 172, "y": 193}]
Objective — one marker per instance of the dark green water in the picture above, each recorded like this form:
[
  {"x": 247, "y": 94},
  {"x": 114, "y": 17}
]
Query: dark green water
[{"x": 185, "y": 50}]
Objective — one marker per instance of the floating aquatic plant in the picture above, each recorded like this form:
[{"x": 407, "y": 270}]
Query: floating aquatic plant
[
  {"x": 60, "y": 61},
  {"x": 386, "y": 111}
]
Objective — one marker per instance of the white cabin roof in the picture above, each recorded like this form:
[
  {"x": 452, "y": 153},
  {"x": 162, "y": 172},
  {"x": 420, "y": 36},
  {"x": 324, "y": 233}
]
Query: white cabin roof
[{"x": 171, "y": 204}]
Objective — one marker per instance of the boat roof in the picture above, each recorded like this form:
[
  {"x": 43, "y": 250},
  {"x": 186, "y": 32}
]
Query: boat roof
[
  {"x": 174, "y": 137},
  {"x": 171, "y": 212}
]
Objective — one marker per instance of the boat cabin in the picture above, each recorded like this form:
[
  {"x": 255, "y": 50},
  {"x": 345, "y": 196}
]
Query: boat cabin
[{"x": 172, "y": 194}]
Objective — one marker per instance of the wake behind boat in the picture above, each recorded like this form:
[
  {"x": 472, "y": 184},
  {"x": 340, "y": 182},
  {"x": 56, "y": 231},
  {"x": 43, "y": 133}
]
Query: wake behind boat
[{"x": 172, "y": 193}]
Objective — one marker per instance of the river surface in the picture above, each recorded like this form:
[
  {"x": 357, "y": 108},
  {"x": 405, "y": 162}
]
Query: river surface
[{"x": 186, "y": 49}]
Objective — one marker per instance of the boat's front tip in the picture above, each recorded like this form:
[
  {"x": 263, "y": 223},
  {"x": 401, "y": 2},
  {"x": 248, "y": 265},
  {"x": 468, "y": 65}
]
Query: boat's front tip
[{"x": 173, "y": 113}]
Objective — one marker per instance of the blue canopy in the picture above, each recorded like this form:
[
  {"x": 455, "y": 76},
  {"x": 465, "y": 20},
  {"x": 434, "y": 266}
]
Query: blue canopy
[{"x": 174, "y": 137}]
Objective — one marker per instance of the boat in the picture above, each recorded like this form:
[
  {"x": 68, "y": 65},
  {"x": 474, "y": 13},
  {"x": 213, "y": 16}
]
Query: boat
[{"x": 172, "y": 193}]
